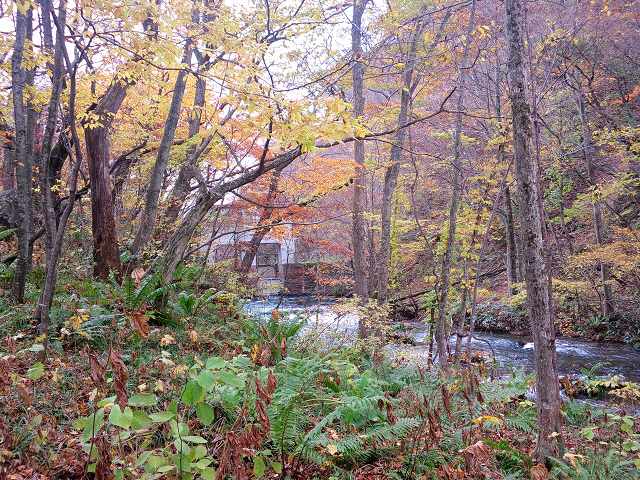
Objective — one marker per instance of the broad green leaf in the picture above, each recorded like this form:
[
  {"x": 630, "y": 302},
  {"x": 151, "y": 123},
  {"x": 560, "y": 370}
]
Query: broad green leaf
[
  {"x": 140, "y": 420},
  {"x": 194, "y": 439},
  {"x": 206, "y": 379},
  {"x": 161, "y": 417},
  {"x": 231, "y": 379},
  {"x": 588, "y": 432},
  {"x": 144, "y": 456},
  {"x": 92, "y": 424},
  {"x": 36, "y": 371},
  {"x": 259, "y": 466},
  {"x": 121, "y": 418},
  {"x": 208, "y": 474},
  {"x": 154, "y": 462},
  {"x": 107, "y": 401},
  {"x": 193, "y": 393},
  {"x": 202, "y": 463},
  {"x": 143, "y": 400},
  {"x": 200, "y": 452},
  {"x": 214, "y": 363},
  {"x": 205, "y": 413}
]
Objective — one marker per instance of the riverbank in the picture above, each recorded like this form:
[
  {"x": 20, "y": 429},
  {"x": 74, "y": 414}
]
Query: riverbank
[
  {"x": 502, "y": 318},
  {"x": 330, "y": 323}
]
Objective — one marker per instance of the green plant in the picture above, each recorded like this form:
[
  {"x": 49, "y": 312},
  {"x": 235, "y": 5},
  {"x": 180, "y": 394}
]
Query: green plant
[
  {"x": 510, "y": 460},
  {"x": 610, "y": 465},
  {"x": 577, "y": 413},
  {"x": 524, "y": 418}
]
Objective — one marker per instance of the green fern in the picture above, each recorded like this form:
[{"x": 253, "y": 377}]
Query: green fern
[{"x": 523, "y": 419}]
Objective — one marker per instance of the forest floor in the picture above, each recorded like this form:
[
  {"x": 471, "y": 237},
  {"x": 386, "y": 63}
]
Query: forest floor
[{"x": 128, "y": 392}]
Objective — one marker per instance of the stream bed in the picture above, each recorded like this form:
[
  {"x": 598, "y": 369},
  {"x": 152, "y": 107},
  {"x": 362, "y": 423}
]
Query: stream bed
[{"x": 325, "y": 321}]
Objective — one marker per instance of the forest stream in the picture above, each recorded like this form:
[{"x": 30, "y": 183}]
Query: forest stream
[{"x": 323, "y": 320}]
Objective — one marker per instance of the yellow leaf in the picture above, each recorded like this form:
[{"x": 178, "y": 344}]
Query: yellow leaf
[{"x": 487, "y": 419}]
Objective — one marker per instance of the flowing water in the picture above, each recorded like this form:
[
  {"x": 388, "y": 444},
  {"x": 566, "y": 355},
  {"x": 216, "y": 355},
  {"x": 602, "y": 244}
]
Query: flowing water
[{"x": 324, "y": 321}]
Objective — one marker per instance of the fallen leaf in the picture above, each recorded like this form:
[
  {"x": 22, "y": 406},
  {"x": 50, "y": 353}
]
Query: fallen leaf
[
  {"x": 539, "y": 472},
  {"x": 137, "y": 275}
]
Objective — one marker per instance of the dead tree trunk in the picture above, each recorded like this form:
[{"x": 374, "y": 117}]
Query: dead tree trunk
[
  {"x": 445, "y": 274},
  {"x": 176, "y": 246},
  {"x": 106, "y": 253},
  {"x": 532, "y": 233},
  {"x": 23, "y": 119},
  {"x": 606, "y": 304}
]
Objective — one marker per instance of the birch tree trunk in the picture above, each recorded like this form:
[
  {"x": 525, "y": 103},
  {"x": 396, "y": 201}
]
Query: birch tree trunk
[
  {"x": 359, "y": 233},
  {"x": 532, "y": 233}
]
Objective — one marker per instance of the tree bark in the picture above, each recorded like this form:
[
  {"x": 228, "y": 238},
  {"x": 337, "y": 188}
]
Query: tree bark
[
  {"x": 359, "y": 232},
  {"x": 175, "y": 248},
  {"x": 23, "y": 120},
  {"x": 259, "y": 234},
  {"x": 391, "y": 173},
  {"x": 512, "y": 251},
  {"x": 152, "y": 197},
  {"x": 532, "y": 233},
  {"x": 55, "y": 225},
  {"x": 183, "y": 182},
  {"x": 606, "y": 304},
  {"x": 106, "y": 253},
  {"x": 445, "y": 274},
  {"x": 7, "y": 168}
]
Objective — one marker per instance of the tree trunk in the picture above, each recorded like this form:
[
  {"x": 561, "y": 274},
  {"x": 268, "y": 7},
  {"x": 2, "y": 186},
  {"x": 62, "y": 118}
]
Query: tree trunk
[
  {"x": 606, "y": 306},
  {"x": 152, "y": 197},
  {"x": 23, "y": 119},
  {"x": 106, "y": 253},
  {"x": 183, "y": 182},
  {"x": 49, "y": 171},
  {"x": 445, "y": 274},
  {"x": 532, "y": 233},
  {"x": 391, "y": 174},
  {"x": 483, "y": 246},
  {"x": 359, "y": 233},
  {"x": 259, "y": 234},
  {"x": 512, "y": 252},
  {"x": 175, "y": 248},
  {"x": 7, "y": 168}
]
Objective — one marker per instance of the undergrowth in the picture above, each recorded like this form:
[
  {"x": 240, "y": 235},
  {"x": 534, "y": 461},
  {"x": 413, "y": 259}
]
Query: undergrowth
[{"x": 150, "y": 381}]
